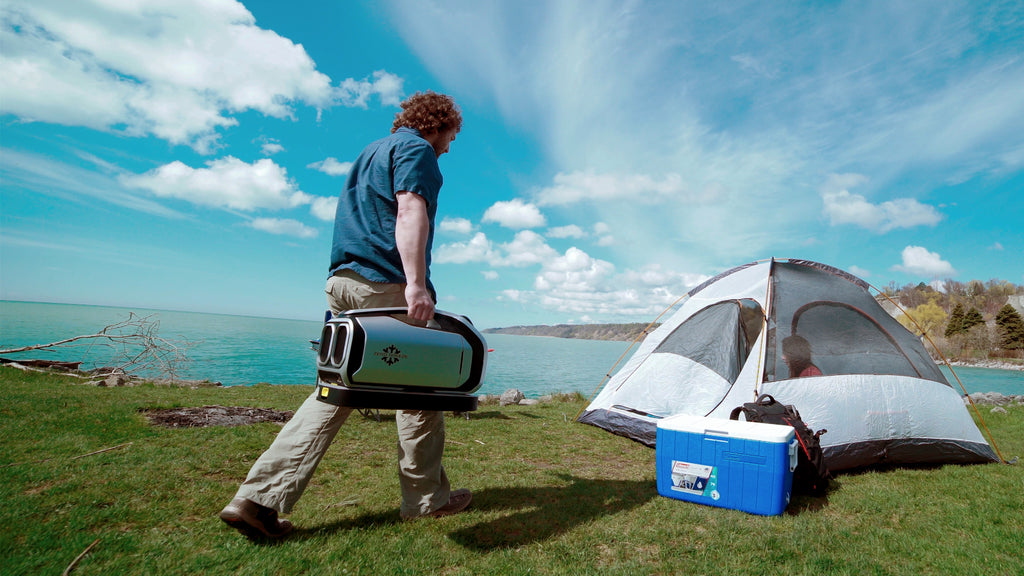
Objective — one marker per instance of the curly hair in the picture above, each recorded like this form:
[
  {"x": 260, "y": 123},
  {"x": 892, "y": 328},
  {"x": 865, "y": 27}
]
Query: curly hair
[{"x": 428, "y": 112}]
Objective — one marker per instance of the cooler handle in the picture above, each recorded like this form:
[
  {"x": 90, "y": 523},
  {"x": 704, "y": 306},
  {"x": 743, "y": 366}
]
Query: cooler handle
[{"x": 793, "y": 453}]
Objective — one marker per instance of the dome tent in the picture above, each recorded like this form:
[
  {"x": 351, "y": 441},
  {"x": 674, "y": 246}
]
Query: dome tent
[{"x": 879, "y": 394}]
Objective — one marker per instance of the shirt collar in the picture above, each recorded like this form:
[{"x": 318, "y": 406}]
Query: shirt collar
[{"x": 409, "y": 130}]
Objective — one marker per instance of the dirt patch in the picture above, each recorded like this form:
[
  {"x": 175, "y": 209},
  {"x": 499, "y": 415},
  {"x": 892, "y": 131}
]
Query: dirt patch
[{"x": 197, "y": 417}]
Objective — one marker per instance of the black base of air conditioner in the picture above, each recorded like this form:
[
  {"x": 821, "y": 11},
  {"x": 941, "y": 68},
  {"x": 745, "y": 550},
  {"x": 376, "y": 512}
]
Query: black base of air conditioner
[{"x": 394, "y": 399}]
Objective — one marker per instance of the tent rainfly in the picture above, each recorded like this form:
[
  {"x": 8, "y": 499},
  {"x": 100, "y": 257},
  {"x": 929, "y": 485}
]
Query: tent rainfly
[{"x": 868, "y": 380}]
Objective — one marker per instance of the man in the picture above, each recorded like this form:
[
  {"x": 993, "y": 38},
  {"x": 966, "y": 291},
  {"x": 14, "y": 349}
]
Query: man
[{"x": 380, "y": 257}]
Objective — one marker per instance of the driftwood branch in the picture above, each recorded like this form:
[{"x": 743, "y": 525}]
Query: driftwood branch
[
  {"x": 131, "y": 346},
  {"x": 103, "y": 450},
  {"x": 78, "y": 559},
  {"x": 72, "y": 458}
]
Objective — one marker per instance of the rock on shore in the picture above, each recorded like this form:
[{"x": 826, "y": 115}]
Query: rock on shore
[
  {"x": 993, "y": 364},
  {"x": 995, "y": 398}
]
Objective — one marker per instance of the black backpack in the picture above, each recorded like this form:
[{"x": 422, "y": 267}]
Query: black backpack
[{"x": 811, "y": 475}]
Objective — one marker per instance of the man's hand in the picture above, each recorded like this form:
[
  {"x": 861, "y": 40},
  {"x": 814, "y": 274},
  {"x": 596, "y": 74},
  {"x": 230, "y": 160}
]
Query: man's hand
[{"x": 419, "y": 302}]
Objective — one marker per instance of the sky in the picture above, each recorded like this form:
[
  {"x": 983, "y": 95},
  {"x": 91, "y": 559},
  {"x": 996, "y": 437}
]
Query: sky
[{"x": 188, "y": 154}]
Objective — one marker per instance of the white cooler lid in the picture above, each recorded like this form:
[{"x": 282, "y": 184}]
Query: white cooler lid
[{"x": 725, "y": 427}]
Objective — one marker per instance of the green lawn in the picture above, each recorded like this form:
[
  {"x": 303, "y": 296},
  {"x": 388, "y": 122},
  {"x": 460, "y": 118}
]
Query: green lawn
[{"x": 550, "y": 497}]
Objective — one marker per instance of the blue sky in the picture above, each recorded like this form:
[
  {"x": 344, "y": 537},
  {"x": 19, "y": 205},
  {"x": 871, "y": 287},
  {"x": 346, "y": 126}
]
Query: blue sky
[{"x": 186, "y": 154}]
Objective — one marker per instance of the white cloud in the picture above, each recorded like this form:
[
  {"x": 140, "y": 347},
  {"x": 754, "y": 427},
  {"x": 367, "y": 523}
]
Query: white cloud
[
  {"x": 837, "y": 182},
  {"x": 996, "y": 246},
  {"x": 753, "y": 65},
  {"x": 578, "y": 187},
  {"x": 331, "y": 166},
  {"x": 511, "y": 294},
  {"x": 324, "y": 208},
  {"x": 842, "y": 207},
  {"x": 907, "y": 213},
  {"x": 514, "y": 214},
  {"x": 859, "y": 272},
  {"x": 73, "y": 183},
  {"x": 570, "y": 231},
  {"x": 224, "y": 183},
  {"x": 576, "y": 283},
  {"x": 975, "y": 122},
  {"x": 656, "y": 276},
  {"x": 1013, "y": 159},
  {"x": 384, "y": 84},
  {"x": 176, "y": 70},
  {"x": 270, "y": 147},
  {"x": 919, "y": 261},
  {"x": 456, "y": 225},
  {"x": 477, "y": 249},
  {"x": 576, "y": 271},
  {"x": 42, "y": 242},
  {"x": 525, "y": 249},
  {"x": 284, "y": 226}
]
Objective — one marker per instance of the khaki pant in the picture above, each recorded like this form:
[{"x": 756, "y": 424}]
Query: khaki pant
[{"x": 281, "y": 474}]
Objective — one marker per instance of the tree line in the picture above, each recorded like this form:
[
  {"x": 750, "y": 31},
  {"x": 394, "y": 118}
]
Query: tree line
[{"x": 964, "y": 319}]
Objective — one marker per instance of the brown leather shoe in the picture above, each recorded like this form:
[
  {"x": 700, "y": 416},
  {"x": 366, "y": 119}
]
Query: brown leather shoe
[
  {"x": 458, "y": 500},
  {"x": 254, "y": 520}
]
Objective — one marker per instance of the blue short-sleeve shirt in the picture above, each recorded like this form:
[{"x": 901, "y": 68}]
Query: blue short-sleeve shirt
[{"x": 364, "y": 225}]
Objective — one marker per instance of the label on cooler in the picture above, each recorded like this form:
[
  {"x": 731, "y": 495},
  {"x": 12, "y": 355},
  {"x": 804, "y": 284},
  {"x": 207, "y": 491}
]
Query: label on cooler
[{"x": 695, "y": 479}]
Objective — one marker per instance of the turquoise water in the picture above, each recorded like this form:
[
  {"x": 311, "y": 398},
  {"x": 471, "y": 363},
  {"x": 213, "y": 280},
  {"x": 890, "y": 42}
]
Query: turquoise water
[{"x": 242, "y": 350}]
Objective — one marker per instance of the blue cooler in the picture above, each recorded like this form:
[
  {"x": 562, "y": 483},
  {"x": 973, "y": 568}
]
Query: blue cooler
[{"x": 735, "y": 464}]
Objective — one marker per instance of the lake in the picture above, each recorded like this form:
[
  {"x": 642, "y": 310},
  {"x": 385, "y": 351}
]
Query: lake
[{"x": 244, "y": 350}]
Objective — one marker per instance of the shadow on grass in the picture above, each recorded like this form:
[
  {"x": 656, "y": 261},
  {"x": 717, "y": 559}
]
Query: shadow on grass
[
  {"x": 535, "y": 514},
  {"x": 529, "y": 514},
  {"x": 811, "y": 502},
  {"x": 806, "y": 503},
  {"x": 377, "y": 520},
  {"x": 487, "y": 415}
]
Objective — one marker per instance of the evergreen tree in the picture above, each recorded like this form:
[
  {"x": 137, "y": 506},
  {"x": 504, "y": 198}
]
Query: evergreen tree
[
  {"x": 1011, "y": 328},
  {"x": 956, "y": 321},
  {"x": 972, "y": 318}
]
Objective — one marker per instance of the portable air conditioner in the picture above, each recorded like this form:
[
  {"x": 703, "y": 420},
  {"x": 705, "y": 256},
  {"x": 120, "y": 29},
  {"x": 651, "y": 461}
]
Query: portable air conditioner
[{"x": 378, "y": 358}]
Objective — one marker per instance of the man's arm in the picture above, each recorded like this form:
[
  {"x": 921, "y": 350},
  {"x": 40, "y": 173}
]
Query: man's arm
[{"x": 411, "y": 230}]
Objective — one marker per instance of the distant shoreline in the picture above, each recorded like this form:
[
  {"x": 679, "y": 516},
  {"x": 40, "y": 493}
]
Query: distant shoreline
[
  {"x": 991, "y": 364},
  {"x": 607, "y": 332}
]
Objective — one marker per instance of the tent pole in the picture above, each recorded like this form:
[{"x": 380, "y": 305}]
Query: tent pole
[{"x": 769, "y": 309}]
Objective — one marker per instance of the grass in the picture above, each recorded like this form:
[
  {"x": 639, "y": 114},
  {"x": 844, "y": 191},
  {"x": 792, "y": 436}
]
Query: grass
[{"x": 550, "y": 497}]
